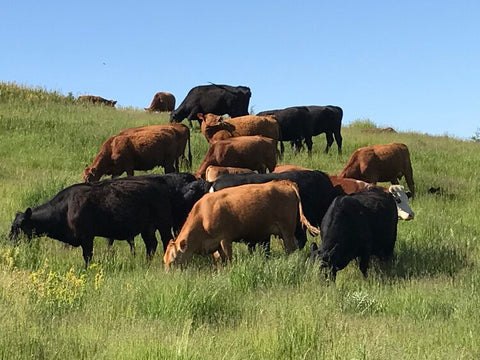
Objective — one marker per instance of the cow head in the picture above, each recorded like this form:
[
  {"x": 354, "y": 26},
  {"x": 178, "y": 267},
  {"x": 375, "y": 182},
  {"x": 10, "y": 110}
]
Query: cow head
[
  {"x": 89, "y": 174},
  {"x": 22, "y": 223},
  {"x": 401, "y": 199},
  {"x": 111, "y": 102},
  {"x": 175, "y": 252}
]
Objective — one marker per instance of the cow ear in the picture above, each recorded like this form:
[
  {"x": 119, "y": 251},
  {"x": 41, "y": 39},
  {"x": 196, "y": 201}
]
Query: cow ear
[
  {"x": 28, "y": 213},
  {"x": 200, "y": 117},
  {"x": 182, "y": 245}
]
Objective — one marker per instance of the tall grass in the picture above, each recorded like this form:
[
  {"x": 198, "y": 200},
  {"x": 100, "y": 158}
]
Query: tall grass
[{"x": 423, "y": 306}]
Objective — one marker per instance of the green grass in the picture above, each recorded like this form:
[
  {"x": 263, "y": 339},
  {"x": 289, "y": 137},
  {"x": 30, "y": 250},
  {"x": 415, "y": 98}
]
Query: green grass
[{"x": 424, "y": 306}]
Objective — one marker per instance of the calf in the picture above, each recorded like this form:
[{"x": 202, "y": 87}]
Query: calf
[
  {"x": 215, "y": 128},
  {"x": 358, "y": 225},
  {"x": 115, "y": 209},
  {"x": 379, "y": 163},
  {"x": 245, "y": 212},
  {"x": 251, "y": 152}
]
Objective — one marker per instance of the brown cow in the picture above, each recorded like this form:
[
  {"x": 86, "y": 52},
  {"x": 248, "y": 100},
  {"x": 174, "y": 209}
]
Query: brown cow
[
  {"x": 213, "y": 172},
  {"x": 162, "y": 101},
  {"x": 379, "y": 163},
  {"x": 138, "y": 150},
  {"x": 247, "y": 212},
  {"x": 97, "y": 100},
  {"x": 182, "y": 133},
  {"x": 215, "y": 128},
  {"x": 284, "y": 168},
  {"x": 252, "y": 152}
]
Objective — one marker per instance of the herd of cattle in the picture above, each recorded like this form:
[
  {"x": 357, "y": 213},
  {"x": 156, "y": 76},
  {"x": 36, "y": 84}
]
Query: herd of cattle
[{"x": 231, "y": 197}]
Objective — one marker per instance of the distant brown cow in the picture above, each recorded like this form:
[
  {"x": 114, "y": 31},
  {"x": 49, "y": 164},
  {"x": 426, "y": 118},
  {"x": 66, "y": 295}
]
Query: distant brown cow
[
  {"x": 379, "y": 163},
  {"x": 252, "y": 152},
  {"x": 162, "y": 101},
  {"x": 137, "y": 150},
  {"x": 97, "y": 100},
  {"x": 215, "y": 128},
  {"x": 213, "y": 172},
  {"x": 247, "y": 212}
]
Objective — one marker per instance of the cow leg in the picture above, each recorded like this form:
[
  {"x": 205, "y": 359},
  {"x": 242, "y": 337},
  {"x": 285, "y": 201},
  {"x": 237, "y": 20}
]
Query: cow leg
[
  {"x": 309, "y": 142},
  {"x": 301, "y": 236},
  {"x": 131, "y": 242},
  {"x": 150, "y": 243},
  {"x": 282, "y": 148},
  {"x": 338, "y": 139},
  {"x": 329, "y": 137},
  {"x": 363, "y": 264},
  {"x": 226, "y": 247},
  {"x": 87, "y": 250},
  {"x": 165, "y": 235},
  {"x": 169, "y": 168}
]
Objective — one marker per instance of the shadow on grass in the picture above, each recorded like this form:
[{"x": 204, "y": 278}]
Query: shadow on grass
[{"x": 420, "y": 260}]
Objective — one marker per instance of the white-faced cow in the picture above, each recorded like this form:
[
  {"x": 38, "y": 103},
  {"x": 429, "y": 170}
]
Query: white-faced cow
[{"x": 359, "y": 225}]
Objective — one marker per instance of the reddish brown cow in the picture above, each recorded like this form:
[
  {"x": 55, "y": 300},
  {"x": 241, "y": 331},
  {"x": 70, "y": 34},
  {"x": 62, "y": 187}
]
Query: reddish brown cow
[
  {"x": 380, "y": 163},
  {"x": 134, "y": 150},
  {"x": 213, "y": 172},
  {"x": 162, "y": 101},
  {"x": 247, "y": 212},
  {"x": 251, "y": 152},
  {"x": 97, "y": 100},
  {"x": 182, "y": 133},
  {"x": 216, "y": 128}
]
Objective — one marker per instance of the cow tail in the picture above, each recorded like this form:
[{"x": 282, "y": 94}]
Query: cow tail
[
  {"x": 314, "y": 231},
  {"x": 189, "y": 152}
]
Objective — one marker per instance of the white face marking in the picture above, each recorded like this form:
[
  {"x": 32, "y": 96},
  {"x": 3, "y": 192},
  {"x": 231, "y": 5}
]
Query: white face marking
[
  {"x": 211, "y": 190},
  {"x": 401, "y": 199}
]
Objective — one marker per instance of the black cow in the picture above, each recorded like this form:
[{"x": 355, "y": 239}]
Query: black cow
[
  {"x": 215, "y": 99},
  {"x": 178, "y": 185},
  {"x": 328, "y": 120},
  {"x": 295, "y": 124},
  {"x": 316, "y": 193},
  {"x": 358, "y": 225},
  {"x": 117, "y": 209}
]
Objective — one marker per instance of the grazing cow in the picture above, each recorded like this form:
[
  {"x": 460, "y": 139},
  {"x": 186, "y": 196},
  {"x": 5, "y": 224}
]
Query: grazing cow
[
  {"x": 379, "y": 163},
  {"x": 316, "y": 192},
  {"x": 251, "y": 152},
  {"x": 97, "y": 100},
  {"x": 328, "y": 120},
  {"x": 139, "y": 149},
  {"x": 358, "y": 225},
  {"x": 215, "y": 99},
  {"x": 295, "y": 124},
  {"x": 182, "y": 135},
  {"x": 215, "y": 128},
  {"x": 245, "y": 212},
  {"x": 213, "y": 172},
  {"x": 115, "y": 209},
  {"x": 350, "y": 186},
  {"x": 162, "y": 101}
]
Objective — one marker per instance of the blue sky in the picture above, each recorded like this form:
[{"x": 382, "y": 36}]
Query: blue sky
[{"x": 412, "y": 65}]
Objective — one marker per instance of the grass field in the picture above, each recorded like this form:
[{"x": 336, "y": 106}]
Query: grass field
[{"x": 426, "y": 306}]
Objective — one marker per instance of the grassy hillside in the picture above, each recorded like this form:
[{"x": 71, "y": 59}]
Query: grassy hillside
[{"x": 426, "y": 306}]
